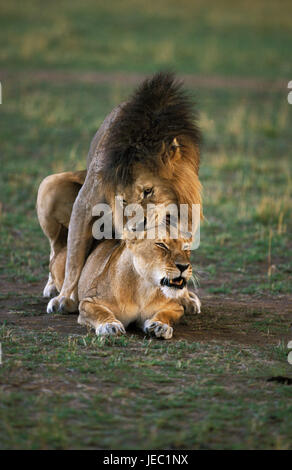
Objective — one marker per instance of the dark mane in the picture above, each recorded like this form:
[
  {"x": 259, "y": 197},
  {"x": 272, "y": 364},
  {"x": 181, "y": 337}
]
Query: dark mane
[{"x": 158, "y": 112}]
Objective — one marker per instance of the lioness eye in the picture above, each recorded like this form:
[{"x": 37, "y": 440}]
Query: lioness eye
[
  {"x": 147, "y": 192},
  {"x": 162, "y": 245}
]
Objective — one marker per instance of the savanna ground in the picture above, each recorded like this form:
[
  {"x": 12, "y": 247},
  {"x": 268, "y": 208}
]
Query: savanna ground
[{"x": 208, "y": 388}]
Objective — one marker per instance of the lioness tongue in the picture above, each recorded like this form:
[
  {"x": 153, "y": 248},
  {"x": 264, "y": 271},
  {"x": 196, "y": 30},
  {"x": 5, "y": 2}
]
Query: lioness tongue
[{"x": 179, "y": 283}]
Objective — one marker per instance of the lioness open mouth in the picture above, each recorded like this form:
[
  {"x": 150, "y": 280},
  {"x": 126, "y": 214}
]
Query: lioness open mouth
[{"x": 176, "y": 283}]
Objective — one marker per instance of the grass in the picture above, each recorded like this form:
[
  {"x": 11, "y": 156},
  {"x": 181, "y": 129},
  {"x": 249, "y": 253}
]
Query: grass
[
  {"x": 81, "y": 394},
  {"x": 245, "y": 38},
  {"x": 60, "y": 388}
]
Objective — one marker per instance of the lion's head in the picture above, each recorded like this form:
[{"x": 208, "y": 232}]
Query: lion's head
[
  {"x": 163, "y": 263},
  {"x": 152, "y": 148}
]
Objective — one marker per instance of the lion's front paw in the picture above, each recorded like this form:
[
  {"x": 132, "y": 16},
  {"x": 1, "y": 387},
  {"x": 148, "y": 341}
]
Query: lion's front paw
[
  {"x": 53, "y": 305},
  {"x": 159, "y": 329},
  {"x": 62, "y": 305},
  {"x": 114, "y": 328}
]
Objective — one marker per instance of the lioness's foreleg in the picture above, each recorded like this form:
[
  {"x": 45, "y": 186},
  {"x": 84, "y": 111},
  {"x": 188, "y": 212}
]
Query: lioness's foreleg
[
  {"x": 191, "y": 303},
  {"x": 99, "y": 316},
  {"x": 160, "y": 324}
]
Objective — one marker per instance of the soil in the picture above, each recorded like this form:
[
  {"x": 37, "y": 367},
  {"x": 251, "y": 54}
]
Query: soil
[{"x": 222, "y": 319}]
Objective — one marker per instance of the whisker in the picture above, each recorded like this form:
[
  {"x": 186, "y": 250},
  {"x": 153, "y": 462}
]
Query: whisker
[
  {"x": 203, "y": 274},
  {"x": 195, "y": 279}
]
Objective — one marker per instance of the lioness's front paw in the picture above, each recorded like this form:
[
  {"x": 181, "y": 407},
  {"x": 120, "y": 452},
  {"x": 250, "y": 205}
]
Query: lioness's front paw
[
  {"x": 110, "y": 329},
  {"x": 159, "y": 329},
  {"x": 196, "y": 302},
  {"x": 191, "y": 303},
  {"x": 62, "y": 305}
]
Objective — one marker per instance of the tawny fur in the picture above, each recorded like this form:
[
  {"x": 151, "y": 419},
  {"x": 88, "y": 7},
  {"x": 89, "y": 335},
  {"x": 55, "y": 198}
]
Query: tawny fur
[
  {"x": 151, "y": 141},
  {"x": 54, "y": 206},
  {"x": 56, "y": 196},
  {"x": 121, "y": 283}
]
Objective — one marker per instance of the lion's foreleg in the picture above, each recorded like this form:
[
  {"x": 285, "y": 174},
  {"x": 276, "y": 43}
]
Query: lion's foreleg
[
  {"x": 161, "y": 323},
  {"x": 78, "y": 244},
  {"x": 79, "y": 241},
  {"x": 99, "y": 316}
]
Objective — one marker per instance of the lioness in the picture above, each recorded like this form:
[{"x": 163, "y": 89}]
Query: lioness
[
  {"x": 146, "y": 151},
  {"x": 132, "y": 281}
]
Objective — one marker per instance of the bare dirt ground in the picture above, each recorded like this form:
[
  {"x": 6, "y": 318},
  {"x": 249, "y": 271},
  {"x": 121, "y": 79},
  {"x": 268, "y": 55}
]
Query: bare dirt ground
[{"x": 223, "y": 318}]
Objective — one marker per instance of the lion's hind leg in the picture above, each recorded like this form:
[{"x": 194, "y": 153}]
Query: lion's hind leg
[
  {"x": 50, "y": 289},
  {"x": 56, "y": 196},
  {"x": 98, "y": 315}
]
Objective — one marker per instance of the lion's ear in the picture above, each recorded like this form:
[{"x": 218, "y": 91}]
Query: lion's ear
[
  {"x": 173, "y": 151},
  {"x": 176, "y": 150}
]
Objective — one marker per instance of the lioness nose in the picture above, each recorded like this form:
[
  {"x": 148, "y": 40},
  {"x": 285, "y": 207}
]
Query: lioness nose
[{"x": 182, "y": 267}]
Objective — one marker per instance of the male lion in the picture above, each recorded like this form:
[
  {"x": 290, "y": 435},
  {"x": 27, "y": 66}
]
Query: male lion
[
  {"x": 132, "y": 281},
  {"x": 146, "y": 151}
]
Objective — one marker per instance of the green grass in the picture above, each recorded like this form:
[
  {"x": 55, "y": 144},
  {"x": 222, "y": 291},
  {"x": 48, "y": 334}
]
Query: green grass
[
  {"x": 80, "y": 392},
  {"x": 65, "y": 390},
  {"x": 244, "y": 38}
]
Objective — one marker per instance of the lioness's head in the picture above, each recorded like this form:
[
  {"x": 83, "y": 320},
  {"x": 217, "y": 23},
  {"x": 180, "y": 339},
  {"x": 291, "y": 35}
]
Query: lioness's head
[
  {"x": 163, "y": 263},
  {"x": 151, "y": 153}
]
